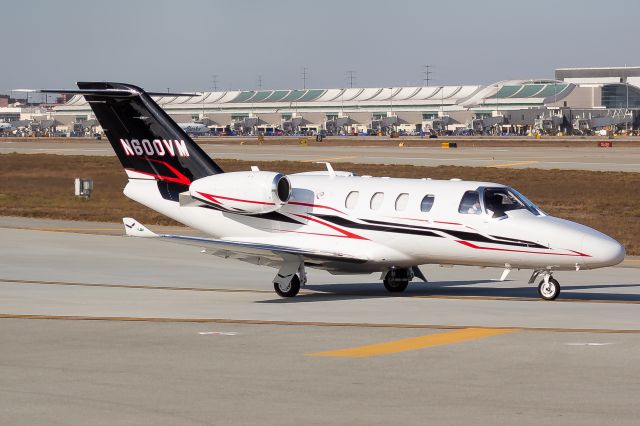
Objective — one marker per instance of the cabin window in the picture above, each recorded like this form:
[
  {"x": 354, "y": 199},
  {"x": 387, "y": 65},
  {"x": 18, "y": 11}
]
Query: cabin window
[
  {"x": 427, "y": 203},
  {"x": 376, "y": 201},
  {"x": 470, "y": 203},
  {"x": 401, "y": 202},
  {"x": 352, "y": 200}
]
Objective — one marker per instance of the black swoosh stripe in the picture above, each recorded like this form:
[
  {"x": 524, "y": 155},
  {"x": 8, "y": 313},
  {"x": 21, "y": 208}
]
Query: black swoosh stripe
[
  {"x": 278, "y": 217},
  {"x": 475, "y": 237},
  {"x": 275, "y": 216},
  {"x": 214, "y": 206},
  {"x": 389, "y": 228},
  {"x": 463, "y": 235}
]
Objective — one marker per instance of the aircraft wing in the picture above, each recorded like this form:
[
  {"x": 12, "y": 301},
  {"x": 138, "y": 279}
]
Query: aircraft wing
[{"x": 251, "y": 252}]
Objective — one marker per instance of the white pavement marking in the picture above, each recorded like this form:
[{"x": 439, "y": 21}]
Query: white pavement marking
[
  {"x": 218, "y": 333},
  {"x": 589, "y": 344}
]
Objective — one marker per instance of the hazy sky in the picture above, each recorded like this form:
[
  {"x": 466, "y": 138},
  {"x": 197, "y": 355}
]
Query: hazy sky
[{"x": 180, "y": 44}]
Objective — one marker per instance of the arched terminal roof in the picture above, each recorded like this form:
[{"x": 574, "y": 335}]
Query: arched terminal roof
[
  {"x": 521, "y": 92},
  {"x": 511, "y": 92}
]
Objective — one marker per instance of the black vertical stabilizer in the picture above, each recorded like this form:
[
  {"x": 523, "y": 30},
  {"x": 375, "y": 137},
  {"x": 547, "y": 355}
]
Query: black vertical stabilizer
[{"x": 143, "y": 135}]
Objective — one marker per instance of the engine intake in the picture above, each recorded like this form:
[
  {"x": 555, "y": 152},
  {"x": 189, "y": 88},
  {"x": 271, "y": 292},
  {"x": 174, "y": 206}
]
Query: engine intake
[{"x": 253, "y": 192}]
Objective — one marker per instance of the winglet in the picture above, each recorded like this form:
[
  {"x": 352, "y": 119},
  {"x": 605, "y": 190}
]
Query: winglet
[{"x": 133, "y": 228}]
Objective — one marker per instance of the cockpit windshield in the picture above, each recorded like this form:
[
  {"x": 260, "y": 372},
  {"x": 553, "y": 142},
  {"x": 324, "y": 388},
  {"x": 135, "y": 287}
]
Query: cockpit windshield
[{"x": 498, "y": 201}]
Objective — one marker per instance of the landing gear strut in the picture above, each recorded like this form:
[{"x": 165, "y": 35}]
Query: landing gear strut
[
  {"x": 549, "y": 287},
  {"x": 396, "y": 280}
]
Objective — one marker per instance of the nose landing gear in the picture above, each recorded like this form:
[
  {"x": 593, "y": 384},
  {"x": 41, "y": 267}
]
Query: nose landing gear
[{"x": 549, "y": 287}]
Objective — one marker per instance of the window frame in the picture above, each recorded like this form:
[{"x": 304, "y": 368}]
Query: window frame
[
  {"x": 356, "y": 194},
  {"x": 433, "y": 200},
  {"x": 373, "y": 197},
  {"x": 405, "y": 196}
]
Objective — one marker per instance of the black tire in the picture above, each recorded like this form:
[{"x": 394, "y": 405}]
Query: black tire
[
  {"x": 551, "y": 291},
  {"x": 394, "y": 286},
  {"x": 290, "y": 290}
]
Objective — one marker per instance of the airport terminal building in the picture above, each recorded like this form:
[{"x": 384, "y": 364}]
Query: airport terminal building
[{"x": 578, "y": 99}]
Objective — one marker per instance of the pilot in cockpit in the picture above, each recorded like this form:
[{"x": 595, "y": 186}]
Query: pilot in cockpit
[
  {"x": 475, "y": 207},
  {"x": 495, "y": 204}
]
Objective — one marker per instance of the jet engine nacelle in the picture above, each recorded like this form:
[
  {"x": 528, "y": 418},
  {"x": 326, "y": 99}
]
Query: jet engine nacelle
[{"x": 253, "y": 192}]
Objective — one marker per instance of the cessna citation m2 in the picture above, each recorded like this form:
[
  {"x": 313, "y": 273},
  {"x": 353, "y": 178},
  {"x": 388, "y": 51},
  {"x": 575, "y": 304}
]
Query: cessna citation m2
[{"x": 333, "y": 220}]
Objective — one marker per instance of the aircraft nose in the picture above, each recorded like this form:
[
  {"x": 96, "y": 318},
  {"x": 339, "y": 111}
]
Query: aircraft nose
[{"x": 604, "y": 250}]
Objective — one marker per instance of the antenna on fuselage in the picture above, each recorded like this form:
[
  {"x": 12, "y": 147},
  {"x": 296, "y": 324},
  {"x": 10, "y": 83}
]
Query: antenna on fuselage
[{"x": 330, "y": 170}]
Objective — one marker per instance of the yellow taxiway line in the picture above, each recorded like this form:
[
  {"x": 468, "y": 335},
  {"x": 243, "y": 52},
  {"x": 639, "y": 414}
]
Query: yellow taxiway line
[
  {"x": 520, "y": 163},
  {"x": 413, "y": 343}
]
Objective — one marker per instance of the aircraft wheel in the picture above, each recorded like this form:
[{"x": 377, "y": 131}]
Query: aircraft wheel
[
  {"x": 395, "y": 286},
  {"x": 550, "y": 290},
  {"x": 290, "y": 289}
]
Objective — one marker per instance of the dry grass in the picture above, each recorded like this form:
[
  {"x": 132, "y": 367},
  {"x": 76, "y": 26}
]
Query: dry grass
[{"x": 40, "y": 185}]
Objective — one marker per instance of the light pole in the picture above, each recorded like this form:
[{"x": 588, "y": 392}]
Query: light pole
[
  {"x": 626, "y": 84},
  {"x": 626, "y": 123}
]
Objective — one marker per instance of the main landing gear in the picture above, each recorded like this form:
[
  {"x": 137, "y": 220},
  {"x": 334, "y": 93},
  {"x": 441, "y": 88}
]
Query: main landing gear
[
  {"x": 289, "y": 278},
  {"x": 396, "y": 280},
  {"x": 289, "y": 289},
  {"x": 395, "y": 285},
  {"x": 549, "y": 287}
]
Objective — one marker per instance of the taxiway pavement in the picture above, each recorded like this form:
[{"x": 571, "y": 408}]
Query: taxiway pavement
[{"x": 120, "y": 330}]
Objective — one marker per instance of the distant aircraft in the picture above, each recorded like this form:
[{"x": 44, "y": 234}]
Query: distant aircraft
[
  {"x": 333, "y": 220},
  {"x": 194, "y": 128}
]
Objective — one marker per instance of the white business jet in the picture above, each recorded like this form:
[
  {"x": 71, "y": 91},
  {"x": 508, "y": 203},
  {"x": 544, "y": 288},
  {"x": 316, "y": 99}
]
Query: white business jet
[{"x": 333, "y": 220}]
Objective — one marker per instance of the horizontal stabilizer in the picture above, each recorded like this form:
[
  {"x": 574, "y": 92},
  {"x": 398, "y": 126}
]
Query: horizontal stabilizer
[
  {"x": 133, "y": 228},
  {"x": 111, "y": 92}
]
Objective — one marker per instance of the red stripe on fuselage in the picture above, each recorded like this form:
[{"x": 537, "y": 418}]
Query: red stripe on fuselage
[
  {"x": 468, "y": 244},
  {"x": 335, "y": 228},
  {"x": 314, "y": 233},
  {"x": 213, "y": 197}
]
